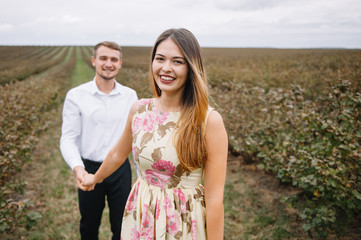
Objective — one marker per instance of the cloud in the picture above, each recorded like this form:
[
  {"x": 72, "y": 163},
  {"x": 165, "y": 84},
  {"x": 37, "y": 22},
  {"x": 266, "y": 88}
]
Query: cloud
[
  {"x": 247, "y": 5},
  {"x": 52, "y": 20},
  {"x": 5, "y": 27},
  {"x": 70, "y": 19},
  {"x": 232, "y": 23}
]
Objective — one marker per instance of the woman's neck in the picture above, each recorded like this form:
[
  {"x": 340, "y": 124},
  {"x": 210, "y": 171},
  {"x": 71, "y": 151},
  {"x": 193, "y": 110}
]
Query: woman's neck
[{"x": 169, "y": 103}]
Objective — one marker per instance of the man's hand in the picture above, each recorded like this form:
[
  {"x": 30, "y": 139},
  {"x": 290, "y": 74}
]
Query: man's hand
[
  {"x": 80, "y": 173},
  {"x": 89, "y": 180}
]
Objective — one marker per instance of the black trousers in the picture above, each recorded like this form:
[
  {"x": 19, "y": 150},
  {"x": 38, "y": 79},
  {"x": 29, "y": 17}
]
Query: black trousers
[{"x": 115, "y": 189}]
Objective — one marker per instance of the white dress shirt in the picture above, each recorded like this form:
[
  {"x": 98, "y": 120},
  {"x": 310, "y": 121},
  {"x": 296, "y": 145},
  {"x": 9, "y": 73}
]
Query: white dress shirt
[{"x": 93, "y": 121}]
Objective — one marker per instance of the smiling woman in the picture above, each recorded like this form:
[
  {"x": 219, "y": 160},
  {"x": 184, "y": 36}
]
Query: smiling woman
[
  {"x": 170, "y": 70},
  {"x": 176, "y": 139}
]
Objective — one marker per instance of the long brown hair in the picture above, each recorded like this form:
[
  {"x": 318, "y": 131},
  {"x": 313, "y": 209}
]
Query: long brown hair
[{"x": 190, "y": 140}]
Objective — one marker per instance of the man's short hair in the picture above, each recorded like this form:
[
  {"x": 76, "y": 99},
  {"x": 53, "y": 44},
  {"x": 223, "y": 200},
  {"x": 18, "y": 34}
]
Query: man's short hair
[{"x": 108, "y": 44}]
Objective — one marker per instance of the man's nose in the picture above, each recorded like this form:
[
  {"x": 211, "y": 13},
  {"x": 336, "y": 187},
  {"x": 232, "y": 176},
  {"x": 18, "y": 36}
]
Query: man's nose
[{"x": 107, "y": 62}]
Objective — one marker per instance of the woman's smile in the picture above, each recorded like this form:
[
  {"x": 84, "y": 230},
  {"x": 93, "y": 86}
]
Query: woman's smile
[{"x": 169, "y": 67}]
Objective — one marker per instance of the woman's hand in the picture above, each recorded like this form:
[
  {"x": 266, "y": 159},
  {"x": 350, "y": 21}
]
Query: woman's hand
[{"x": 88, "y": 181}]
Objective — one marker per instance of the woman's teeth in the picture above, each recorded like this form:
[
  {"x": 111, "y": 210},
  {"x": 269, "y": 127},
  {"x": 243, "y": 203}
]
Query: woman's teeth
[{"x": 167, "y": 78}]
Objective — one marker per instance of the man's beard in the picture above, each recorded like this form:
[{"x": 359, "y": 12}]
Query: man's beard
[{"x": 107, "y": 78}]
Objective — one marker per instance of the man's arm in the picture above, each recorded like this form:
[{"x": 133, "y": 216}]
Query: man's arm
[{"x": 71, "y": 130}]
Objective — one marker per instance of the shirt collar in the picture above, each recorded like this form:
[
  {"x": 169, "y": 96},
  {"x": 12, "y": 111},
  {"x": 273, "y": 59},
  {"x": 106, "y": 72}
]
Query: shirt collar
[{"x": 95, "y": 89}]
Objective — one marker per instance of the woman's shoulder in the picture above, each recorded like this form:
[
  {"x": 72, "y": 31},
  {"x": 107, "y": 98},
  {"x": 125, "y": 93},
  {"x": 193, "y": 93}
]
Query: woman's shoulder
[
  {"x": 142, "y": 103},
  {"x": 215, "y": 128},
  {"x": 214, "y": 118},
  {"x": 145, "y": 101}
]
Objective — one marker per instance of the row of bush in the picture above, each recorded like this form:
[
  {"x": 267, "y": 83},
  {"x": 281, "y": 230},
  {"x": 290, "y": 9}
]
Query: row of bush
[
  {"x": 23, "y": 68},
  {"x": 10, "y": 54},
  {"x": 292, "y": 113},
  {"x": 25, "y": 108},
  {"x": 86, "y": 54},
  {"x": 313, "y": 145}
]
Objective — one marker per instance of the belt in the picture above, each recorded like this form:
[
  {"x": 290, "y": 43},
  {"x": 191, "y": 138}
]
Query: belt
[{"x": 91, "y": 162}]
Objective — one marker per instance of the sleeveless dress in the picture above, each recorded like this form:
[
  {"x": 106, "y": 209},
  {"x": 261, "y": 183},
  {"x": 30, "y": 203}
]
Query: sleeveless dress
[{"x": 164, "y": 203}]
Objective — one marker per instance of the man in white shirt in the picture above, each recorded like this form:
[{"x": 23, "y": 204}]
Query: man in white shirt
[{"x": 94, "y": 117}]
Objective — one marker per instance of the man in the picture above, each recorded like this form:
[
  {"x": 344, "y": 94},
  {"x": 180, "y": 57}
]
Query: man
[{"x": 94, "y": 117}]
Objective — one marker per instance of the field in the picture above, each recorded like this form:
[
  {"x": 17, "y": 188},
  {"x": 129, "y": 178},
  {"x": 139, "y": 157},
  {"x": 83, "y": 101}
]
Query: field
[{"x": 293, "y": 118}]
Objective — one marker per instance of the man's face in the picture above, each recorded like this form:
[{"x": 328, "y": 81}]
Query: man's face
[{"x": 107, "y": 62}]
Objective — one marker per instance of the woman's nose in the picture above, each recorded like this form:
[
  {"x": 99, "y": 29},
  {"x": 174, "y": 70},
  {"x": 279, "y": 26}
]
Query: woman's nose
[{"x": 167, "y": 66}]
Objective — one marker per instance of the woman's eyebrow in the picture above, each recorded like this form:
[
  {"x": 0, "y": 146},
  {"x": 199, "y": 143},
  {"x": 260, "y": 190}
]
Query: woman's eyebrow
[{"x": 159, "y": 54}]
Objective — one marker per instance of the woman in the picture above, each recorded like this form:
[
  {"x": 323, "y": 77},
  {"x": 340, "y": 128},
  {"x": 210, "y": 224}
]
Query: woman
[{"x": 177, "y": 139}]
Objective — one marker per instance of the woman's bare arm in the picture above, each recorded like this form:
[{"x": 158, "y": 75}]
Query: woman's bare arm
[
  {"x": 116, "y": 155},
  {"x": 215, "y": 175}
]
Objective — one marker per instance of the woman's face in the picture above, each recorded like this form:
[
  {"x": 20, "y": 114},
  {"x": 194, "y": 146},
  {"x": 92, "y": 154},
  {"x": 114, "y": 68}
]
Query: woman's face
[{"x": 169, "y": 67}]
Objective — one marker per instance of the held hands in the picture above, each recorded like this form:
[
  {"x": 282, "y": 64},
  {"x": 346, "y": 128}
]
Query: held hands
[
  {"x": 80, "y": 175},
  {"x": 88, "y": 181}
]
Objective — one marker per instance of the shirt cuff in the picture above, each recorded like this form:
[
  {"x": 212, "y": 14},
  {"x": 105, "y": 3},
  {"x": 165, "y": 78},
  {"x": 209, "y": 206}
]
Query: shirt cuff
[{"x": 74, "y": 164}]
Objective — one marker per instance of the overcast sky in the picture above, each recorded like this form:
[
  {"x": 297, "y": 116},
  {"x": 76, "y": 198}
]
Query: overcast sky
[{"x": 216, "y": 23}]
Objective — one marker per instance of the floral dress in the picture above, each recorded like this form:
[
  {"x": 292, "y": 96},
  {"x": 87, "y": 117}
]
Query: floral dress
[{"x": 164, "y": 203}]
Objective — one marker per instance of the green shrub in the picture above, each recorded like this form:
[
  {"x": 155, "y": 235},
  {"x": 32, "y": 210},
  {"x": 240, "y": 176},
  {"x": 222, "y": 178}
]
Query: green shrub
[
  {"x": 316, "y": 146},
  {"x": 25, "y": 106}
]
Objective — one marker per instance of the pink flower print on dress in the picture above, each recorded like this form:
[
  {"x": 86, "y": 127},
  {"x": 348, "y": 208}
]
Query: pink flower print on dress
[
  {"x": 182, "y": 200},
  {"x": 156, "y": 178},
  {"x": 194, "y": 230},
  {"x": 152, "y": 180},
  {"x": 161, "y": 116},
  {"x": 173, "y": 221},
  {"x": 147, "y": 224},
  {"x": 173, "y": 224},
  {"x": 145, "y": 101},
  {"x": 137, "y": 124},
  {"x": 135, "y": 234},
  {"x": 168, "y": 206},
  {"x": 157, "y": 210},
  {"x": 148, "y": 122},
  {"x": 163, "y": 166},
  {"x": 132, "y": 200},
  {"x": 161, "y": 173}
]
